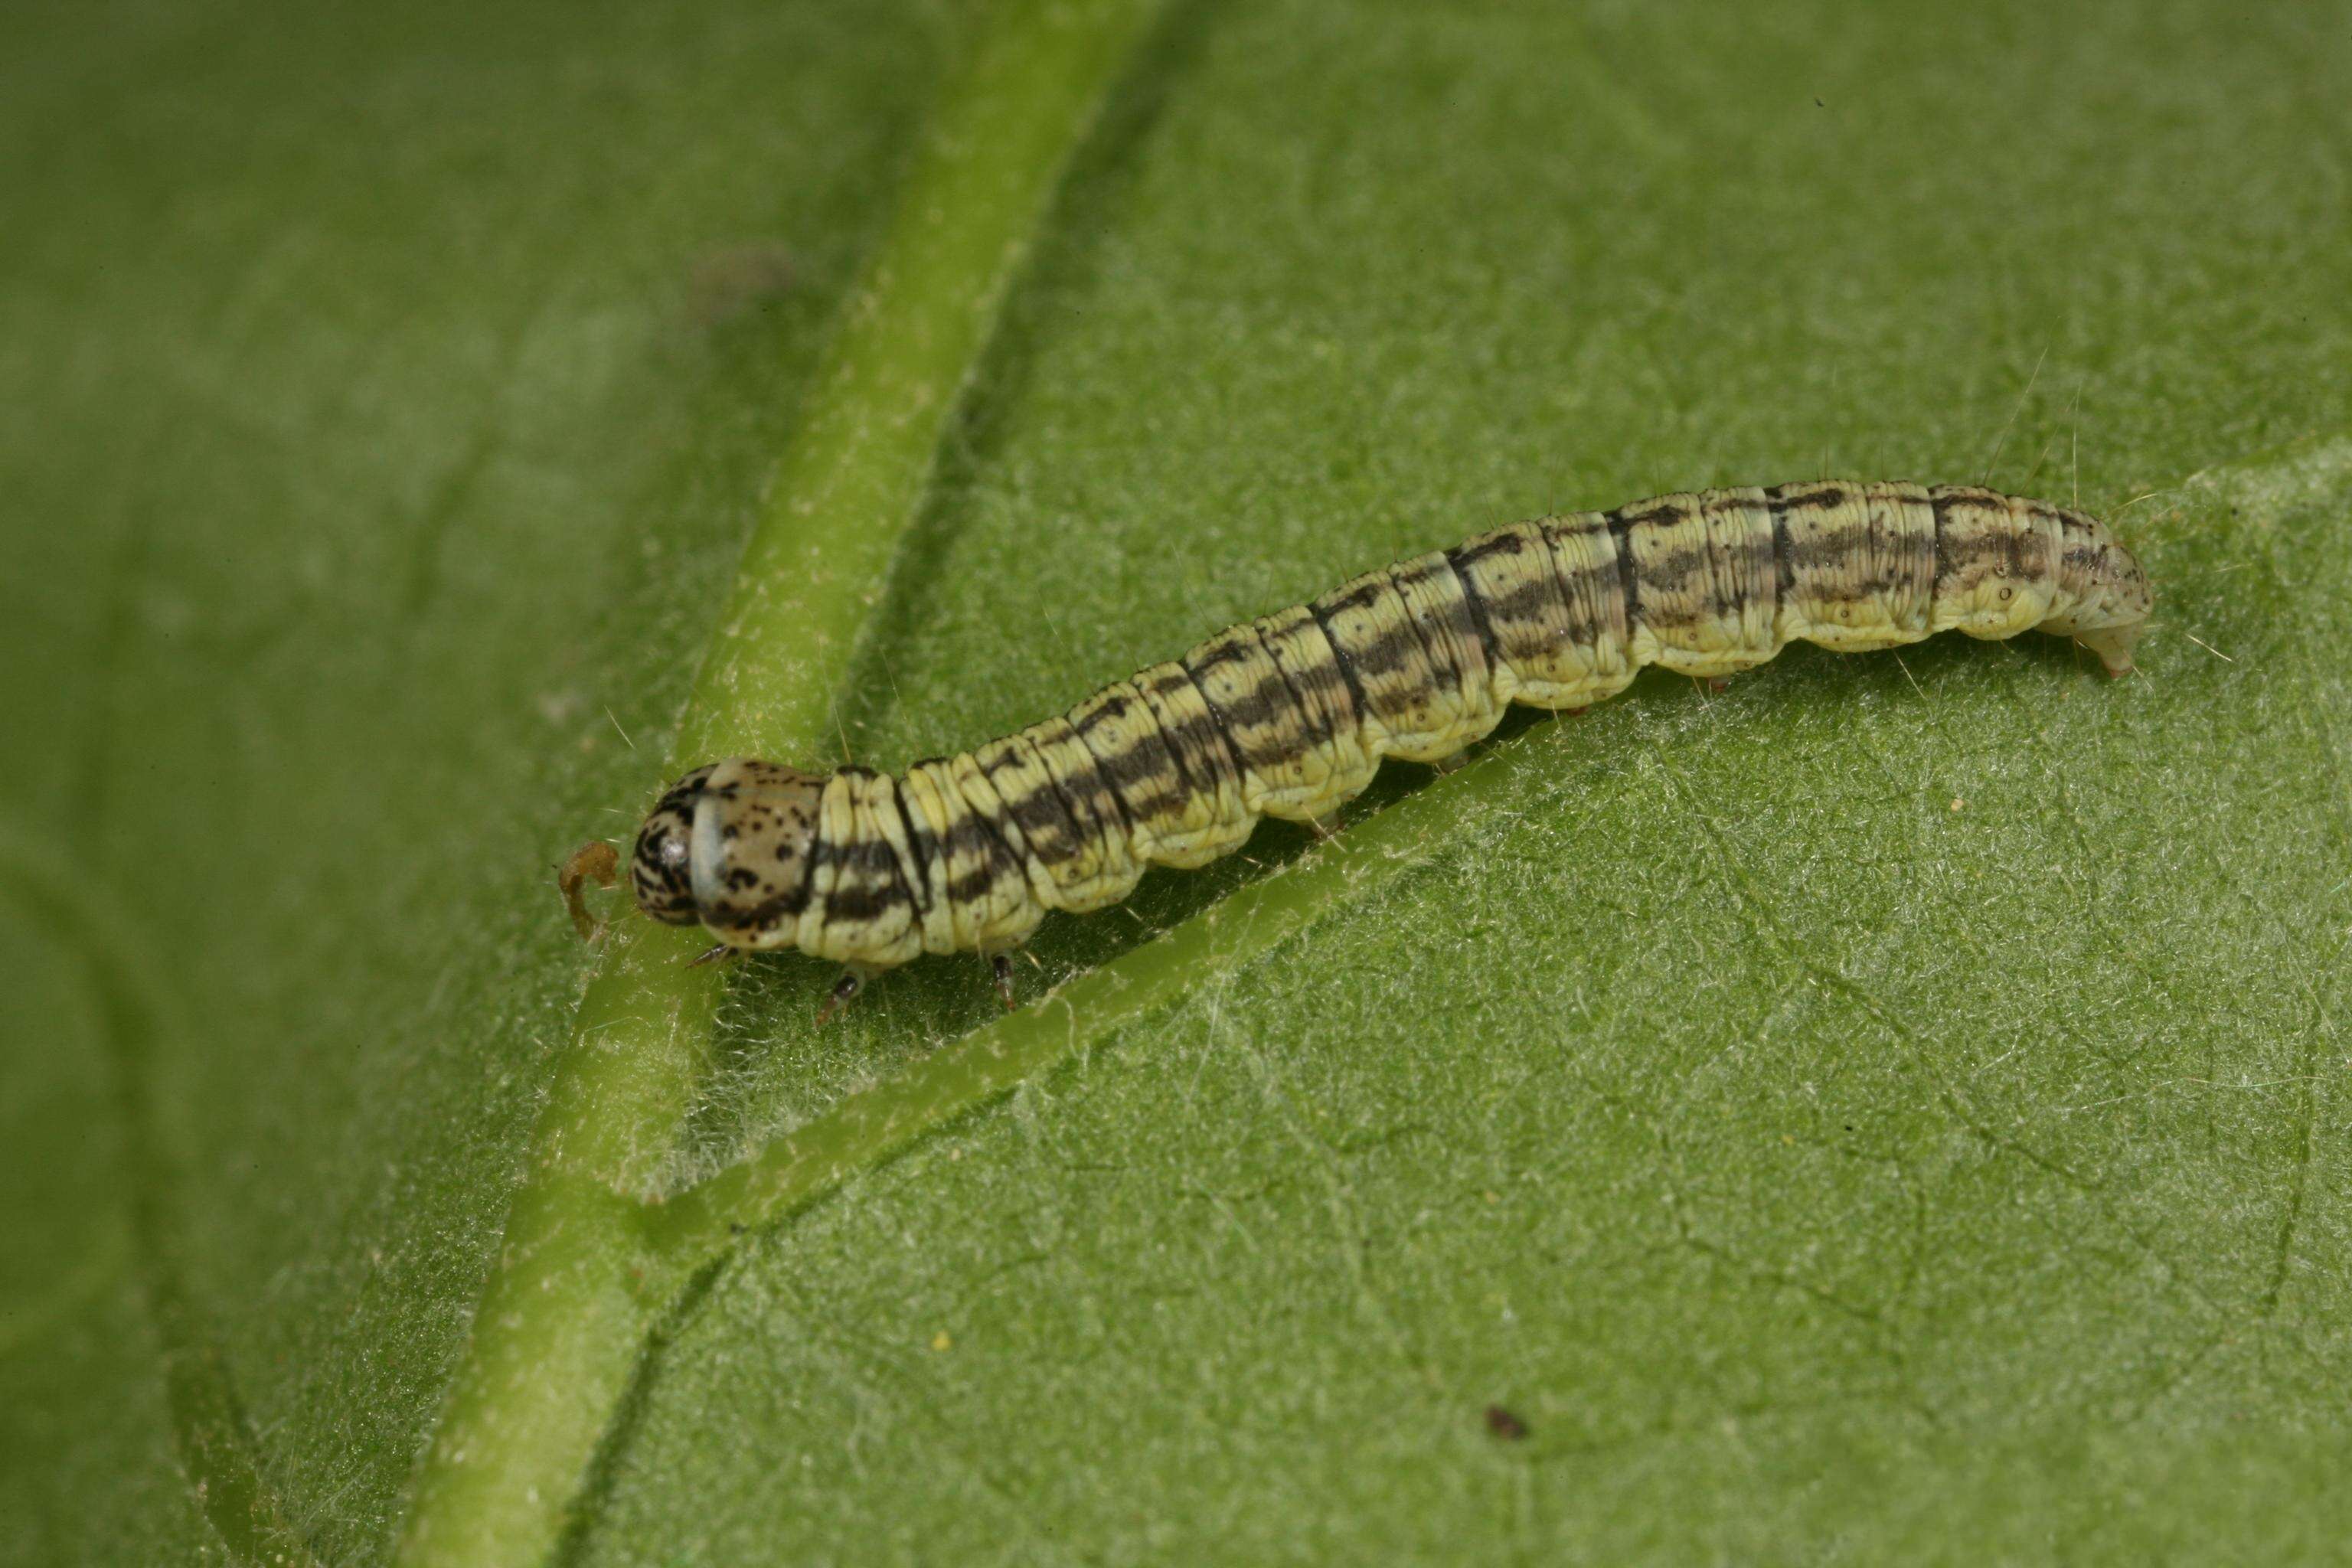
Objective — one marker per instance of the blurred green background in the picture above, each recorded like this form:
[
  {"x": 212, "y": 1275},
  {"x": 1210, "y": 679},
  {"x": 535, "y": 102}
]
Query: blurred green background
[{"x": 1886, "y": 1110}]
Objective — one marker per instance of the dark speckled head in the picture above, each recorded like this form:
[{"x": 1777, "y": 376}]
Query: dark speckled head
[
  {"x": 658, "y": 874},
  {"x": 728, "y": 844}
]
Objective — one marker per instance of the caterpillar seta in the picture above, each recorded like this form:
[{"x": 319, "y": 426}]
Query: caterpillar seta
[{"x": 1291, "y": 714}]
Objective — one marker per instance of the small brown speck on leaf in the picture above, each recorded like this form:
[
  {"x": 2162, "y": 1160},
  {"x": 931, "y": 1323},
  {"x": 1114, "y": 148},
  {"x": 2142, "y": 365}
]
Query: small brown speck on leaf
[
  {"x": 728, "y": 280},
  {"x": 1505, "y": 1425}
]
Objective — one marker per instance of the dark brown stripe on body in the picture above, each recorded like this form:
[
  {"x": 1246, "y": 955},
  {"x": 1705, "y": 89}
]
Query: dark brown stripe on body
[
  {"x": 1109, "y": 711},
  {"x": 875, "y": 886},
  {"x": 1312, "y": 729},
  {"x": 1445, "y": 670},
  {"x": 979, "y": 831},
  {"x": 1629, "y": 593},
  {"x": 1214, "y": 794},
  {"x": 1341, "y": 658},
  {"x": 919, "y": 843},
  {"x": 1071, "y": 764},
  {"x": 1218, "y": 725},
  {"x": 1464, "y": 556},
  {"x": 1481, "y": 627}
]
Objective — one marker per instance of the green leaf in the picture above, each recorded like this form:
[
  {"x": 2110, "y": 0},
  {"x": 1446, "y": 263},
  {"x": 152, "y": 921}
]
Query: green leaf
[{"x": 1891, "y": 1109}]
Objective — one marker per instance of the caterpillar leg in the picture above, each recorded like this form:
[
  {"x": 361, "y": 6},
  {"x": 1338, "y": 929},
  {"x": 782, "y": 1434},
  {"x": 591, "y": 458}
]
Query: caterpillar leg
[
  {"x": 2114, "y": 647},
  {"x": 852, "y": 981},
  {"x": 1452, "y": 761},
  {"x": 1000, "y": 972}
]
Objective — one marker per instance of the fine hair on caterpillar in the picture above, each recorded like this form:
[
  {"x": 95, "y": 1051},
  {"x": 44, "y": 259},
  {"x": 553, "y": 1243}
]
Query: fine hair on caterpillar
[{"x": 1291, "y": 714}]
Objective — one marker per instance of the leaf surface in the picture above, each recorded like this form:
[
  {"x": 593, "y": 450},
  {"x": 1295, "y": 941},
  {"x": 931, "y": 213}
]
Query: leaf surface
[{"x": 1890, "y": 1109}]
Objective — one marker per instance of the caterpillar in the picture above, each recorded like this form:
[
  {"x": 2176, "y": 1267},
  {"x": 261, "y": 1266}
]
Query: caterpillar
[{"x": 1291, "y": 714}]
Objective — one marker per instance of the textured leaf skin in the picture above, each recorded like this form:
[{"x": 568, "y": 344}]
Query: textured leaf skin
[{"x": 1818, "y": 1169}]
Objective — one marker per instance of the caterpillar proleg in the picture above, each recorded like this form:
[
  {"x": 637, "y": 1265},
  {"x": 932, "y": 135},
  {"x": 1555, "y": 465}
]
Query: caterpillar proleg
[{"x": 1291, "y": 714}]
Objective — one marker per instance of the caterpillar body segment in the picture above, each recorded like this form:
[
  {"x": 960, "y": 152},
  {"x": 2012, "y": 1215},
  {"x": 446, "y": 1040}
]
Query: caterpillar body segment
[{"x": 1290, "y": 715}]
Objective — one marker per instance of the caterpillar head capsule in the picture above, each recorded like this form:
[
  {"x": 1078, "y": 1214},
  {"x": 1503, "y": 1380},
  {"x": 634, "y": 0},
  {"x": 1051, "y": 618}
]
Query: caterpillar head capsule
[{"x": 727, "y": 846}]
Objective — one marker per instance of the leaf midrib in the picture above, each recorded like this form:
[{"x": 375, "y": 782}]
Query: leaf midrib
[{"x": 564, "y": 1316}]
